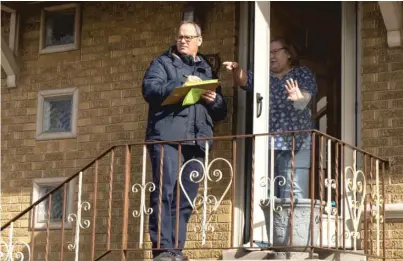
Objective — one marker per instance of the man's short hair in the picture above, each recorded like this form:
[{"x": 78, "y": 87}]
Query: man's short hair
[{"x": 196, "y": 26}]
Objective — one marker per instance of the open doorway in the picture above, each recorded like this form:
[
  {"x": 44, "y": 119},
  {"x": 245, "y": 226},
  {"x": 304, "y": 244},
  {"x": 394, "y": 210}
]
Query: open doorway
[{"x": 315, "y": 28}]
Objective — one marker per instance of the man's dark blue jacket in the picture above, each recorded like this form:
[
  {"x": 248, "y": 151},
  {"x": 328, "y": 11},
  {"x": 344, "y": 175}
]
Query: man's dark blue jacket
[{"x": 173, "y": 122}]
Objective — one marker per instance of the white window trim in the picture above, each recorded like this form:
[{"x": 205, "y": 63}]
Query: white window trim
[
  {"x": 37, "y": 183},
  {"x": 42, "y": 95},
  {"x": 77, "y": 30}
]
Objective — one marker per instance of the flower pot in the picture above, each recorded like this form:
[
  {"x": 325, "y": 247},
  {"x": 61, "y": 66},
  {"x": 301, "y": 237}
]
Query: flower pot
[{"x": 301, "y": 228}]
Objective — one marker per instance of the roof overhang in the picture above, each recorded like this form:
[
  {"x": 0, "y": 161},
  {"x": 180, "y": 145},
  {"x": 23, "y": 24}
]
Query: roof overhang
[
  {"x": 8, "y": 59},
  {"x": 392, "y": 12},
  {"x": 9, "y": 63}
]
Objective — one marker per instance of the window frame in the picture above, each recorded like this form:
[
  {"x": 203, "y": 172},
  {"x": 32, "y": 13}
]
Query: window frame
[
  {"x": 42, "y": 96},
  {"x": 77, "y": 30},
  {"x": 36, "y": 185}
]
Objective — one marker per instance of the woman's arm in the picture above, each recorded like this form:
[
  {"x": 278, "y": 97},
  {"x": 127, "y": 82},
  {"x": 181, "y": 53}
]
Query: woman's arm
[{"x": 240, "y": 76}]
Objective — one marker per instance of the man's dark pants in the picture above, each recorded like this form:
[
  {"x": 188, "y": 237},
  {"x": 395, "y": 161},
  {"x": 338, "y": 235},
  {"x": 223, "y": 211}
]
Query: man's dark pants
[{"x": 169, "y": 192}]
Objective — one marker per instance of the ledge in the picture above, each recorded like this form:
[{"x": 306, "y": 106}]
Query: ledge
[
  {"x": 394, "y": 211},
  {"x": 392, "y": 17}
]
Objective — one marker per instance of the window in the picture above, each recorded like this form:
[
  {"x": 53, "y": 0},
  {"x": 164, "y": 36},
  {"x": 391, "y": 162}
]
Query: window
[
  {"x": 57, "y": 114},
  {"x": 60, "y": 28},
  {"x": 40, "y": 188}
]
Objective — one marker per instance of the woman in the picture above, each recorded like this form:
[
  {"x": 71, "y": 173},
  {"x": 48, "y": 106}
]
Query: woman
[{"x": 291, "y": 89}]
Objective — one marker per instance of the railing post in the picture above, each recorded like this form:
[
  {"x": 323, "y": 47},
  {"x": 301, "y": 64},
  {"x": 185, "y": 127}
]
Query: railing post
[
  {"x": 63, "y": 219},
  {"x": 313, "y": 167},
  {"x": 111, "y": 171},
  {"x": 234, "y": 155},
  {"x": 252, "y": 191},
  {"x": 81, "y": 205},
  {"x": 94, "y": 213},
  {"x": 126, "y": 202},
  {"x": 378, "y": 212},
  {"x": 383, "y": 214},
  {"x": 48, "y": 227},
  {"x": 178, "y": 195},
  {"x": 143, "y": 200}
]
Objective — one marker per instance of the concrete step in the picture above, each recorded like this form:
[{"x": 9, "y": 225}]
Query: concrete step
[
  {"x": 244, "y": 254},
  {"x": 272, "y": 259}
]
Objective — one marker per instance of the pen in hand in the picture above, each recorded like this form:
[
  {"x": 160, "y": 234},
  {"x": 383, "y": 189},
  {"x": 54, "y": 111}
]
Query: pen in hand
[{"x": 192, "y": 78}]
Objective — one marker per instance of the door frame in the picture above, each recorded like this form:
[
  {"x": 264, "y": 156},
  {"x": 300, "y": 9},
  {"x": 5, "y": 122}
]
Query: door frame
[{"x": 350, "y": 86}]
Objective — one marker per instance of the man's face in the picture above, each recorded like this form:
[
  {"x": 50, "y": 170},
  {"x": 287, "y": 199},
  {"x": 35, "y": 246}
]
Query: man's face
[{"x": 188, "y": 41}]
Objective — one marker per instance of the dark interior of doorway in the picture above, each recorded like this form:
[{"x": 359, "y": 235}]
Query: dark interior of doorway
[{"x": 315, "y": 30}]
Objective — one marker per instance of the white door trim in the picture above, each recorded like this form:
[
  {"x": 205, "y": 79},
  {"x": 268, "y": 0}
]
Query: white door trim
[
  {"x": 348, "y": 72},
  {"x": 242, "y": 58},
  {"x": 261, "y": 88}
]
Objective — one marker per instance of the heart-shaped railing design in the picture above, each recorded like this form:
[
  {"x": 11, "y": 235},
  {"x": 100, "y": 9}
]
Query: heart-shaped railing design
[
  {"x": 356, "y": 188},
  {"x": 206, "y": 201}
]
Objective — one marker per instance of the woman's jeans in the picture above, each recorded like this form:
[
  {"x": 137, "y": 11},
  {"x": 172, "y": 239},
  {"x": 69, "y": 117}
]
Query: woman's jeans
[{"x": 283, "y": 171}]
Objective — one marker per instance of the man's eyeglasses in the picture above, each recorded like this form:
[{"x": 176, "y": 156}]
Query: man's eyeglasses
[{"x": 187, "y": 38}]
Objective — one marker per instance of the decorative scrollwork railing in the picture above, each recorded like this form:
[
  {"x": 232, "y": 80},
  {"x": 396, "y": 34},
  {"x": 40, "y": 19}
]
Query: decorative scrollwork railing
[
  {"x": 205, "y": 201},
  {"x": 14, "y": 251}
]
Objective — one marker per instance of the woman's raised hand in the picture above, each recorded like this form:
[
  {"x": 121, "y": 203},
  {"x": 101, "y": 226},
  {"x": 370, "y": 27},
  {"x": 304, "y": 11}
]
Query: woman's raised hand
[{"x": 294, "y": 93}]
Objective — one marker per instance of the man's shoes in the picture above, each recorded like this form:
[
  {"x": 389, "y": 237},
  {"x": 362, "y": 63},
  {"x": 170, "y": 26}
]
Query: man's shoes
[
  {"x": 181, "y": 257},
  {"x": 169, "y": 256},
  {"x": 165, "y": 256}
]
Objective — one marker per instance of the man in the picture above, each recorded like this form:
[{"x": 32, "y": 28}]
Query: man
[{"x": 172, "y": 69}]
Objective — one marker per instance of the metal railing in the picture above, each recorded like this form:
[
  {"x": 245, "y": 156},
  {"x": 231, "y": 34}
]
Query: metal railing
[{"x": 102, "y": 211}]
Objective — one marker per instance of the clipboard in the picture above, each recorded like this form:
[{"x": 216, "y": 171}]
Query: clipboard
[{"x": 179, "y": 93}]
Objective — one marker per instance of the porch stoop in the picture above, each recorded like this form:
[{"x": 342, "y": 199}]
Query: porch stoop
[
  {"x": 269, "y": 259},
  {"x": 240, "y": 254}
]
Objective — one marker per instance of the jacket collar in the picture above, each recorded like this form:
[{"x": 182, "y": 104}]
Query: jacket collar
[{"x": 178, "y": 60}]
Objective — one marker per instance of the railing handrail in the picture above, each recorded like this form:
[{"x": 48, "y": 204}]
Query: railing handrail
[{"x": 230, "y": 137}]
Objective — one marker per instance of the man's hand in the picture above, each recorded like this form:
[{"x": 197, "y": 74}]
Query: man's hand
[
  {"x": 209, "y": 97},
  {"x": 230, "y": 65},
  {"x": 193, "y": 78},
  {"x": 294, "y": 93}
]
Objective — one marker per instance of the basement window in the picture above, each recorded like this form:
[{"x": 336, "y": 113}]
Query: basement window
[
  {"x": 60, "y": 28},
  {"x": 57, "y": 114},
  {"x": 40, "y": 188}
]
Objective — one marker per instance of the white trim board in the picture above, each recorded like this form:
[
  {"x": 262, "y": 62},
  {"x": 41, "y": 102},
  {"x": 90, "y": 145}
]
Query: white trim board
[
  {"x": 242, "y": 58},
  {"x": 394, "y": 211}
]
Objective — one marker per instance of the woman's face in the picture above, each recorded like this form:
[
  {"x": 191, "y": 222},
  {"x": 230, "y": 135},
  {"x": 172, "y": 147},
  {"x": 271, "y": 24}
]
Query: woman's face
[{"x": 279, "y": 58}]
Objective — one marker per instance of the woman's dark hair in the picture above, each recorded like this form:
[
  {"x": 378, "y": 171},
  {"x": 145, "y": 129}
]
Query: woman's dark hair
[{"x": 289, "y": 47}]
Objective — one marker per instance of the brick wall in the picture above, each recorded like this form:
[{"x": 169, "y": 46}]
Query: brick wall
[
  {"x": 118, "y": 42},
  {"x": 382, "y": 111}
]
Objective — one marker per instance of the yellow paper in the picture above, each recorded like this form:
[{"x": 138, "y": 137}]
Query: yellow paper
[
  {"x": 189, "y": 84},
  {"x": 193, "y": 96},
  {"x": 187, "y": 92}
]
